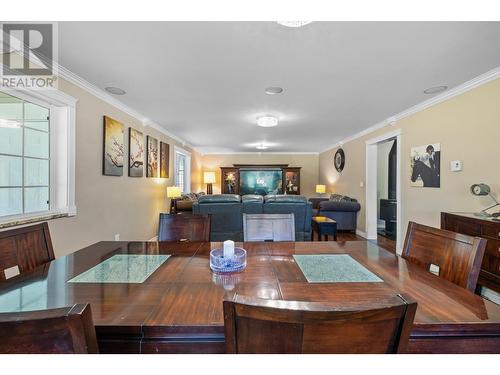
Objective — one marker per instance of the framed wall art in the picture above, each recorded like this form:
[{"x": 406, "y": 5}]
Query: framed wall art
[
  {"x": 152, "y": 157},
  {"x": 113, "y": 147}
]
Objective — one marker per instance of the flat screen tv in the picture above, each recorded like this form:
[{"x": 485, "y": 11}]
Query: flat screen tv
[{"x": 262, "y": 182}]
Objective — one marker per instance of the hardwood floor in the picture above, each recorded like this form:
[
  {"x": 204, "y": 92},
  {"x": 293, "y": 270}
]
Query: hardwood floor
[
  {"x": 386, "y": 243},
  {"x": 381, "y": 241}
]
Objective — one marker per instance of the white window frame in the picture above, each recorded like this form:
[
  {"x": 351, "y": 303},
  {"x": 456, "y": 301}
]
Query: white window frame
[
  {"x": 62, "y": 155},
  {"x": 187, "y": 177}
]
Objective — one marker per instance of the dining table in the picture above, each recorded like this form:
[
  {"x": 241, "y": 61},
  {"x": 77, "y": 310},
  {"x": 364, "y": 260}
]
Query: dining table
[{"x": 162, "y": 297}]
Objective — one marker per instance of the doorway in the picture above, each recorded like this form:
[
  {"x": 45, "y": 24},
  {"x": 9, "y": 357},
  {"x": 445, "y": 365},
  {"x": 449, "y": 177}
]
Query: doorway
[{"x": 383, "y": 190}]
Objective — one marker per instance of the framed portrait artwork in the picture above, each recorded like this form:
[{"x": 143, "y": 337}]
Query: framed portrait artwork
[{"x": 425, "y": 165}]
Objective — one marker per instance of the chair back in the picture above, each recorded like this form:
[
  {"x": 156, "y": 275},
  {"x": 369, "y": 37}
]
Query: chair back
[
  {"x": 67, "y": 330},
  {"x": 453, "y": 256},
  {"x": 282, "y": 327},
  {"x": 26, "y": 248},
  {"x": 268, "y": 227},
  {"x": 184, "y": 227}
]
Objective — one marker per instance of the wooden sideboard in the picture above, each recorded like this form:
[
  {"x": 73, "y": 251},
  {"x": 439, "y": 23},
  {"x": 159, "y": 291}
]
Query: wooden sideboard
[{"x": 487, "y": 228}]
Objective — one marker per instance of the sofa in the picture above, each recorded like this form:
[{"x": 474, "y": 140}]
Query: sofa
[
  {"x": 185, "y": 202},
  {"x": 227, "y": 211},
  {"x": 341, "y": 208}
]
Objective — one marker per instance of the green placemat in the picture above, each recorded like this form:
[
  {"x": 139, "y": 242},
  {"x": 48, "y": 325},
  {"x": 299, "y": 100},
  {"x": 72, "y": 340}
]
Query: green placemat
[
  {"x": 122, "y": 268},
  {"x": 334, "y": 268}
]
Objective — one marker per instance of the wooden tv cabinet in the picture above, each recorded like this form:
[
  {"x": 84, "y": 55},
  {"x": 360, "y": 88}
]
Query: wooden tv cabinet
[{"x": 230, "y": 177}]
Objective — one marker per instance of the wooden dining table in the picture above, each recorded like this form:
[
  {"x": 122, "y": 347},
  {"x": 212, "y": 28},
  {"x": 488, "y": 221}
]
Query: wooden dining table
[{"x": 178, "y": 307}]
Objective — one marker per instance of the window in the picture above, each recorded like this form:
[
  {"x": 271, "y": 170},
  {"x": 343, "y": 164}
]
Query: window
[
  {"x": 183, "y": 170},
  {"x": 24, "y": 157},
  {"x": 36, "y": 156}
]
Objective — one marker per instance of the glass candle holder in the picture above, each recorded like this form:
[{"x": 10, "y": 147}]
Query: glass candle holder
[{"x": 236, "y": 263}]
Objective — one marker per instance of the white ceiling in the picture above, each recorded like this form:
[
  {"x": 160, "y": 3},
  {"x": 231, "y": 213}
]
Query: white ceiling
[{"x": 205, "y": 81}]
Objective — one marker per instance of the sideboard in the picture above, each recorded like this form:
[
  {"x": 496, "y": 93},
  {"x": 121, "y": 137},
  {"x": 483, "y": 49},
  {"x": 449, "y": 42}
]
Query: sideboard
[{"x": 487, "y": 228}]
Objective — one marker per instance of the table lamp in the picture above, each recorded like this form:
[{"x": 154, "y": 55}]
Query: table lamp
[
  {"x": 173, "y": 192},
  {"x": 483, "y": 189},
  {"x": 321, "y": 189},
  {"x": 209, "y": 179}
]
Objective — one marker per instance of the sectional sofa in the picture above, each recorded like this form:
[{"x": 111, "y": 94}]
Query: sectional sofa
[{"x": 227, "y": 211}]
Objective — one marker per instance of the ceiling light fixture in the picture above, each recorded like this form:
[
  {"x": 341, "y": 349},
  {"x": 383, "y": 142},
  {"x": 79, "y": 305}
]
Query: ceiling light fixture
[
  {"x": 115, "y": 90},
  {"x": 435, "y": 90},
  {"x": 262, "y": 146},
  {"x": 293, "y": 23},
  {"x": 267, "y": 121},
  {"x": 274, "y": 90}
]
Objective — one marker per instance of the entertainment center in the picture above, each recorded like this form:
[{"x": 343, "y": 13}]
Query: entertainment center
[{"x": 260, "y": 179}]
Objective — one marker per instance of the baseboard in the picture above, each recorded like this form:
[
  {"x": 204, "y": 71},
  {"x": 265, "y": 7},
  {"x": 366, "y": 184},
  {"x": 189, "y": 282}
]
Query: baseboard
[
  {"x": 361, "y": 233},
  {"x": 154, "y": 239}
]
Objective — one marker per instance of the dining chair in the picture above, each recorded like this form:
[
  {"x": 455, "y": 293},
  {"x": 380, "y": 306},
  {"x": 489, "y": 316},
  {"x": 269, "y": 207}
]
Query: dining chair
[
  {"x": 23, "y": 249},
  {"x": 257, "y": 326},
  {"x": 184, "y": 227},
  {"x": 453, "y": 256},
  {"x": 67, "y": 330},
  {"x": 268, "y": 227}
]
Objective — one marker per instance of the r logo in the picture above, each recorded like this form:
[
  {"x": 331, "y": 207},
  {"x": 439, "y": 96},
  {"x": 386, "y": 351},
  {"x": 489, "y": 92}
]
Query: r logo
[{"x": 28, "y": 49}]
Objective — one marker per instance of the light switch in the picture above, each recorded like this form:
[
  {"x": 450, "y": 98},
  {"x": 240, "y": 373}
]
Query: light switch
[
  {"x": 361, "y": 184},
  {"x": 456, "y": 165}
]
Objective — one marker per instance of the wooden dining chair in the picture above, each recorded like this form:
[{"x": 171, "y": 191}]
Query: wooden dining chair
[
  {"x": 257, "y": 326},
  {"x": 453, "y": 256},
  {"x": 67, "y": 330},
  {"x": 268, "y": 227},
  {"x": 184, "y": 227},
  {"x": 25, "y": 248}
]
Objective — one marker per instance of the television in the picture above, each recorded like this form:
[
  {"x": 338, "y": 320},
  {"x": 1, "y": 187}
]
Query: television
[{"x": 261, "y": 182}]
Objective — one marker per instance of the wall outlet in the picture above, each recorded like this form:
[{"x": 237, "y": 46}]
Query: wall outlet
[
  {"x": 456, "y": 165},
  {"x": 117, "y": 237}
]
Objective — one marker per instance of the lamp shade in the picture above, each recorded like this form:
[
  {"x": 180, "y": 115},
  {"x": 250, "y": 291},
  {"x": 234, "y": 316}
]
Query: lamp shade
[
  {"x": 173, "y": 192},
  {"x": 208, "y": 177},
  {"x": 321, "y": 189}
]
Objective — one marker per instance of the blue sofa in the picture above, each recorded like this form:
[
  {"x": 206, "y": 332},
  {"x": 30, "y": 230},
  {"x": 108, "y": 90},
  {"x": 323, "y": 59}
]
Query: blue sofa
[
  {"x": 342, "y": 209},
  {"x": 227, "y": 211}
]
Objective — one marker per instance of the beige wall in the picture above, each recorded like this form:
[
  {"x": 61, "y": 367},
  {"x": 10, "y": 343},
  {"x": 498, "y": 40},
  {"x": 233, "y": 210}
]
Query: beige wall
[
  {"x": 108, "y": 205},
  {"x": 468, "y": 128},
  {"x": 308, "y": 162}
]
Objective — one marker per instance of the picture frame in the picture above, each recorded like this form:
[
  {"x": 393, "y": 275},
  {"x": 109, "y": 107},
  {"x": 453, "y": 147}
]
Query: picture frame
[
  {"x": 135, "y": 153},
  {"x": 152, "y": 157},
  {"x": 113, "y": 147},
  {"x": 164, "y": 160}
]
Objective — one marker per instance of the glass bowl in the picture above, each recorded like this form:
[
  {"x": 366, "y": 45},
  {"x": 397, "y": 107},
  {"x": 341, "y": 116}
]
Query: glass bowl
[{"x": 220, "y": 264}]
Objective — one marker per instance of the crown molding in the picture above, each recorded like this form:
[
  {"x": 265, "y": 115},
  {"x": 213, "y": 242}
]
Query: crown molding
[
  {"x": 392, "y": 120},
  {"x": 104, "y": 96},
  {"x": 259, "y": 153}
]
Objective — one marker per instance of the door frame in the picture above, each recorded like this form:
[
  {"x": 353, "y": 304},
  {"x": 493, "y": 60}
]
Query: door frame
[{"x": 371, "y": 186}]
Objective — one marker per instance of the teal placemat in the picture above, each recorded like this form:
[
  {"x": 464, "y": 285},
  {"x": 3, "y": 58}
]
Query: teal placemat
[
  {"x": 334, "y": 268},
  {"x": 122, "y": 268}
]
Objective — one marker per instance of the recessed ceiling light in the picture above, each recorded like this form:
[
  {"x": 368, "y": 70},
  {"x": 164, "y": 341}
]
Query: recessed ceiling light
[
  {"x": 115, "y": 90},
  {"x": 435, "y": 90},
  {"x": 262, "y": 146},
  {"x": 273, "y": 90},
  {"x": 293, "y": 23},
  {"x": 267, "y": 121}
]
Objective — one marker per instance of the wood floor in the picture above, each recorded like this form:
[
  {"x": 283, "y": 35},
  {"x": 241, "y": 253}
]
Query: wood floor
[{"x": 381, "y": 241}]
